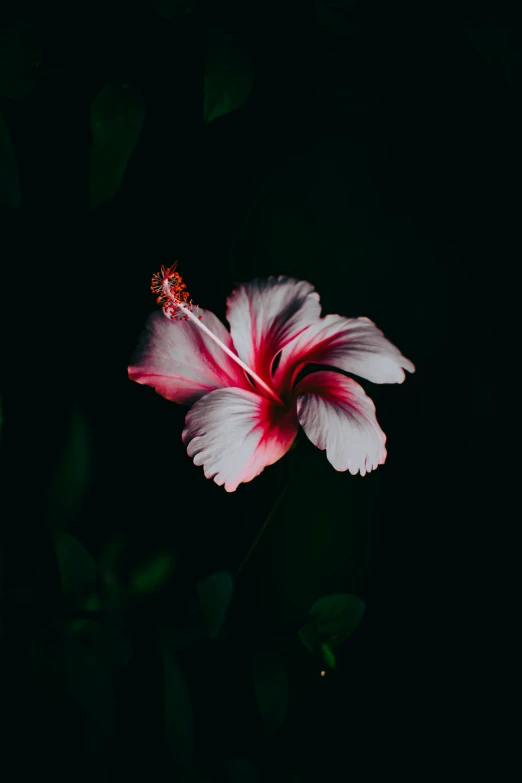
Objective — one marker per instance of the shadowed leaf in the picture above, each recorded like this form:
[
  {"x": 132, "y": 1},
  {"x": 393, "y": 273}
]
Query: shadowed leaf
[
  {"x": 117, "y": 116},
  {"x": 77, "y": 568},
  {"x": 90, "y": 684},
  {"x": 81, "y": 626},
  {"x": 271, "y": 687},
  {"x": 153, "y": 574},
  {"x": 110, "y": 566},
  {"x": 108, "y": 636},
  {"x": 332, "y": 619},
  {"x": 215, "y": 593},
  {"x": 92, "y": 603},
  {"x": 68, "y": 487},
  {"x": 328, "y": 655},
  {"x": 20, "y": 57},
  {"x": 228, "y": 74}
]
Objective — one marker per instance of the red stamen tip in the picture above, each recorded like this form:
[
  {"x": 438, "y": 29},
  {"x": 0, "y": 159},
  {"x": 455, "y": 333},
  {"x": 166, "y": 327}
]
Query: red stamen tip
[{"x": 171, "y": 291}]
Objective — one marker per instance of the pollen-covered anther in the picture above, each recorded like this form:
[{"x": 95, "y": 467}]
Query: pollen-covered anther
[{"x": 171, "y": 292}]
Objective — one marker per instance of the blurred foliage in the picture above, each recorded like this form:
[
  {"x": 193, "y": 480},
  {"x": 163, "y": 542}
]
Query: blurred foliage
[
  {"x": 173, "y": 10},
  {"x": 89, "y": 679},
  {"x": 332, "y": 620},
  {"x": 215, "y": 593},
  {"x": 102, "y": 631},
  {"x": 9, "y": 181},
  {"x": 228, "y": 74},
  {"x": 178, "y": 713},
  {"x": 110, "y": 567},
  {"x": 156, "y": 646},
  {"x": 117, "y": 116},
  {"x": 77, "y": 569},
  {"x": 152, "y": 574},
  {"x": 329, "y": 656},
  {"x": 69, "y": 485},
  {"x": 271, "y": 686},
  {"x": 241, "y": 770},
  {"x": 499, "y": 44},
  {"x": 337, "y": 16},
  {"x": 20, "y": 56}
]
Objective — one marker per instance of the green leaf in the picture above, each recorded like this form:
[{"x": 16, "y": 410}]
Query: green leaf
[
  {"x": 117, "y": 116},
  {"x": 20, "y": 57},
  {"x": 152, "y": 574},
  {"x": 332, "y": 620},
  {"x": 9, "y": 181},
  {"x": 77, "y": 568},
  {"x": 328, "y": 655},
  {"x": 69, "y": 484},
  {"x": 92, "y": 603},
  {"x": 228, "y": 74},
  {"x": 215, "y": 593},
  {"x": 90, "y": 684},
  {"x": 270, "y": 683},
  {"x": 178, "y": 713}
]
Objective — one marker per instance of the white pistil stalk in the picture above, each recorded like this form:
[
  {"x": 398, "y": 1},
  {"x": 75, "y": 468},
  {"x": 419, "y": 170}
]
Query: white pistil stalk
[{"x": 185, "y": 310}]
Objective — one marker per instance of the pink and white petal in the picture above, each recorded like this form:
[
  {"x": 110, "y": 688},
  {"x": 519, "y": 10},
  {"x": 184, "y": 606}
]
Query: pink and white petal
[
  {"x": 181, "y": 362},
  {"x": 266, "y": 314},
  {"x": 337, "y": 415},
  {"x": 355, "y": 345},
  {"x": 234, "y": 434}
]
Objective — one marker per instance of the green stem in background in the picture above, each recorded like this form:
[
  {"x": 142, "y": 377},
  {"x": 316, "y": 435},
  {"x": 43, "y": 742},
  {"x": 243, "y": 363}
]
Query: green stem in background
[{"x": 270, "y": 515}]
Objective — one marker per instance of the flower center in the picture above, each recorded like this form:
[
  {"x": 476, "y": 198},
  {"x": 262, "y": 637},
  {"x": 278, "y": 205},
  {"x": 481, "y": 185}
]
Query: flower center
[{"x": 172, "y": 294}]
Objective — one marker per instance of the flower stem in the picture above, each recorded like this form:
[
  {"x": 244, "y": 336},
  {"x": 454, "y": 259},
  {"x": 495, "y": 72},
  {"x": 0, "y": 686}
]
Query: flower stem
[{"x": 269, "y": 517}]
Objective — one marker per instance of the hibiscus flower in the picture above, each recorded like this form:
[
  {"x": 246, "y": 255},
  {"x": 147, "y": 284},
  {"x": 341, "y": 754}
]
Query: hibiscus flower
[{"x": 246, "y": 388}]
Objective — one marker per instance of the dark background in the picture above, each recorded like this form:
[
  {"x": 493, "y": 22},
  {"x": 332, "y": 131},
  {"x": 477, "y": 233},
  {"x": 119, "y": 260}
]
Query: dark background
[{"x": 378, "y": 156}]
